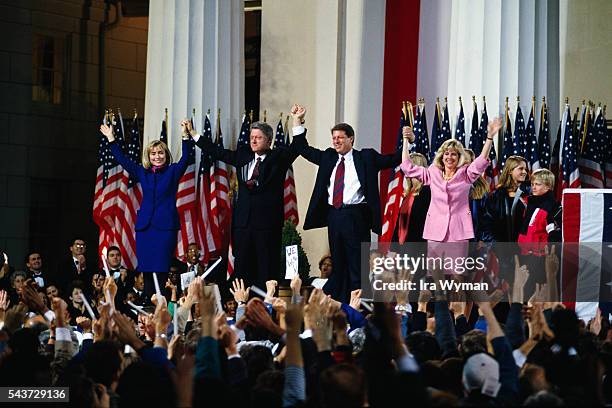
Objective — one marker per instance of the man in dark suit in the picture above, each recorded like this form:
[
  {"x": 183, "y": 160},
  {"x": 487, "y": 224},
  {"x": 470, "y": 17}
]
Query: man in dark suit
[
  {"x": 258, "y": 215},
  {"x": 74, "y": 266},
  {"x": 345, "y": 199}
]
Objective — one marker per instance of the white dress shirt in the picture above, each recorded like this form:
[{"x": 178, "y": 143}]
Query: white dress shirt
[
  {"x": 252, "y": 164},
  {"x": 352, "y": 193}
]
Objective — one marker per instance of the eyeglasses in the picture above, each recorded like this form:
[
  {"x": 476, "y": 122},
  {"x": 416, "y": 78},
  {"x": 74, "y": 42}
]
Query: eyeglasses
[{"x": 80, "y": 245}]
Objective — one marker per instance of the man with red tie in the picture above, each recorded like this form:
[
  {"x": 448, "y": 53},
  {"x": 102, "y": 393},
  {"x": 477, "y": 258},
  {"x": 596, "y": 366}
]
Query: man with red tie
[{"x": 345, "y": 199}]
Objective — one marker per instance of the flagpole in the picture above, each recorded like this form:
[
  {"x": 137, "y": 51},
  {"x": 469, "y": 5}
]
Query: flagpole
[
  {"x": 265, "y": 115},
  {"x": 438, "y": 110}
]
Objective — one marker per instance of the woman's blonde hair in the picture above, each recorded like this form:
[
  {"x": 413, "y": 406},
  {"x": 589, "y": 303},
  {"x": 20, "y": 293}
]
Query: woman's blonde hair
[
  {"x": 146, "y": 162},
  {"x": 412, "y": 184},
  {"x": 450, "y": 144},
  {"x": 505, "y": 180},
  {"x": 480, "y": 187}
]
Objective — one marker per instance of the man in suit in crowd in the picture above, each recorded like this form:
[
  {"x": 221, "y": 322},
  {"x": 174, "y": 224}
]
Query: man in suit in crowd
[
  {"x": 345, "y": 199},
  {"x": 34, "y": 269},
  {"x": 74, "y": 266},
  {"x": 258, "y": 215}
]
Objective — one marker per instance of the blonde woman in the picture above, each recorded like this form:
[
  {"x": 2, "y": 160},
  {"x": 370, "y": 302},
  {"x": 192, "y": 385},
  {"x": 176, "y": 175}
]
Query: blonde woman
[
  {"x": 450, "y": 179},
  {"x": 158, "y": 221}
]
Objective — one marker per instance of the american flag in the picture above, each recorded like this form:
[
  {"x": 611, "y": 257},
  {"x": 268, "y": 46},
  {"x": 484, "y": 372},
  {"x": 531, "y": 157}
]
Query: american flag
[
  {"x": 114, "y": 211},
  {"x": 475, "y": 141},
  {"x": 289, "y": 196},
  {"x": 590, "y": 162},
  {"x": 187, "y": 207},
  {"x": 220, "y": 206},
  {"x": 395, "y": 189},
  {"x": 493, "y": 169},
  {"x": 163, "y": 135},
  {"x": 446, "y": 127},
  {"x": 585, "y": 266},
  {"x": 421, "y": 137},
  {"x": 519, "y": 145},
  {"x": 569, "y": 171},
  {"x": 416, "y": 129},
  {"x": 544, "y": 139},
  {"x": 460, "y": 130},
  {"x": 436, "y": 132},
  {"x": 531, "y": 149},
  {"x": 208, "y": 237},
  {"x": 508, "y": 147},
  {"x": 607, "y": 153}
]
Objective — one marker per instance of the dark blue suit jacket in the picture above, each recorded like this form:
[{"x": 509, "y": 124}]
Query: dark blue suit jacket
[
  {"x": 368, "y": 162},
  {"x": 158, "y": 206}
]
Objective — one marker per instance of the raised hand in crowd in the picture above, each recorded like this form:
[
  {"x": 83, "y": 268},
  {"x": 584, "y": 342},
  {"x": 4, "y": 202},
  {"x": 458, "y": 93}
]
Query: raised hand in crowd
[
  {"x": 172, "y": 287},
  {"x": 551, "y": 266},
  {"x": 161, "y": 319},
  {"x": 125, "y": 331},
  {"x": 296, "y": 285},
  {"x": 355, "y": 301},
  {"x": 60, "y": 309},
  {"x": 258, "y": 316},
  {"x": 102, "y": 325},
  {"x": 297, "y": 113},
  {"x": 270, "y": 290},
  {"x": 84, "y": 323},
  {"x": 107, "y": 131},
  {"x": 521, "y": 274},
  {"x": 110, "y": 289},
  {"x": 29, "y": 296},
  {"x": 4, "y": 303},
  {"x": 15, "y": 317},
  {"x": 241, "y": 295},
  {"x": 208, "y": 320}
]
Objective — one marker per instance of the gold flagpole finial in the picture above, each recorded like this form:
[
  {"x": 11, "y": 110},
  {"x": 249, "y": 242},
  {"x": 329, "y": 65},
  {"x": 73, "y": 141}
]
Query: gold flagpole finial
[
  {"x": 543, "y": 99},
  {"x": 135, "y": 113},
  {"x": 218, "y": 112},
  {"x": 193, "y": 112},
  {"x": 207, "y": 111},
  {"x": 518, "y": 99},
  {"x": 484, "y": 98},
  {"x": 567, "y": 100},
  {"x": 265, "y": 115}
]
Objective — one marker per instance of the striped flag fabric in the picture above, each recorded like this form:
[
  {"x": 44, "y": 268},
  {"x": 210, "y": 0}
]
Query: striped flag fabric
[
  {"x": 493, "y": 170},
  {"x": 585, "y": 259},
  {"x": 220, "y": 206},
  {"x": 208, "y": 237},
  {"x": 289, "y": 195},
  {"x": 544, "y": 139},
  {"x": 568, "y": 155},
  {"x": 187, "y": 207},
  {"x": 508, "y": 148},
  {"x": 421, "y": 136},
  {"x": 460, "y": 129},
  {"x": 476, "y": 142},
  {"x": 590, "y": 163},
  {"x": 436, "y": 132},
  {"x": 531, "y": 143},
  {"x": 395, "y": 190}
]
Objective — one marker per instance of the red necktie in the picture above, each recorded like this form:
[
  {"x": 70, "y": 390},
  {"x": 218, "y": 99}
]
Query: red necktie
[
  {"x": 251, "y": 182},
  {"x": 339, "y": 184}
]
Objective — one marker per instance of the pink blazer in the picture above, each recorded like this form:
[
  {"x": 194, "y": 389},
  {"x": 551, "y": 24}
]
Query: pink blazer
[{"x": 449, "y": 210}]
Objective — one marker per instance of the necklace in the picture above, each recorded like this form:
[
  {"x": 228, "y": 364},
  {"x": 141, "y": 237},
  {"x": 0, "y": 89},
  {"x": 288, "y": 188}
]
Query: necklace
[{"x": 447, "y": 178}]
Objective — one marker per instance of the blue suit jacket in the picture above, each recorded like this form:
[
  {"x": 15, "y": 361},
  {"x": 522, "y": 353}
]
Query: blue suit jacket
[{"x": 158, "y": 207}]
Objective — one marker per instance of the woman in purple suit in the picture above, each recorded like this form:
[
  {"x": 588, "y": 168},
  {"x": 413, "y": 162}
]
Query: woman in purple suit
[{"x": 157, "y": 221}]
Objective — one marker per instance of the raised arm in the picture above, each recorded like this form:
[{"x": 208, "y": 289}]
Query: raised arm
[
  {"x": 299, "y": 144},
  {"x": 408, "y": 168},
  {"x": 492, "y": 130},
  {"x": 115, "y": 149},
  {"x": 207, "y": 145}
]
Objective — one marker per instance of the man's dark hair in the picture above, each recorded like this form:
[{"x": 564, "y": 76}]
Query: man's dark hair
[
  {"x": 74, "y": 239},
  {"x": 565, "y": 325},
  {"x": 473, "y": 342},
  {"x": 103, "y": 362},
  {"x": 257, "y": 359},
  {"x": 346, "y": 128},
  {"x": 424, "y": 346},
  {"x": 143, "y": 384},
  {"x": 113, "y": 248},
  {"x": 343, "y": 385},
  {"x": 265, "y": 128},
  {"x": 27, "y": 257}
]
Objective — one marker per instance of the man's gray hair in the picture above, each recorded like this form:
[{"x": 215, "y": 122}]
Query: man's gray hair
[{"x": 265, "y": 128}]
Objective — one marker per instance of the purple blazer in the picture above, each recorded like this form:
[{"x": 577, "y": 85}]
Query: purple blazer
[{"x": 449, "y": 210}]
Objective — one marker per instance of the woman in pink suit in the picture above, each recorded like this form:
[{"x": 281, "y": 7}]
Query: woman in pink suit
[{"x": 450, "y": 177}]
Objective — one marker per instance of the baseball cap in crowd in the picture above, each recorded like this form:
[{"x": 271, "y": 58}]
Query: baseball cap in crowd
[{"x": 481, "y": 372}]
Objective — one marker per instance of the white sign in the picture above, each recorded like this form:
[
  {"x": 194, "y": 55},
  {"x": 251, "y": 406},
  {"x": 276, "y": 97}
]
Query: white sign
[
  {"x": 186, "y": 279},
  {"x": 291, "y": 261}
]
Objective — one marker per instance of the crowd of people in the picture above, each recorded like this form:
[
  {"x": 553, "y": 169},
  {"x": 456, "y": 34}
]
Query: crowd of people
[{"x": 187, "y": 347}]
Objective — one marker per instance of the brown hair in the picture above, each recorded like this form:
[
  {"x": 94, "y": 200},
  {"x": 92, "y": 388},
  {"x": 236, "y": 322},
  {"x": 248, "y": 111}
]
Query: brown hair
[
  {"x": 412, "y": 184},
  {"x": 505, "y": 180}
]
